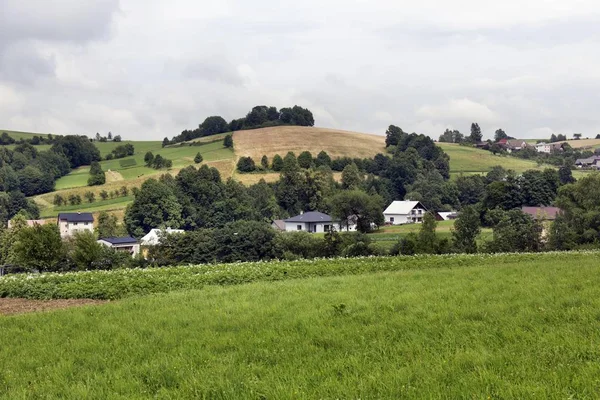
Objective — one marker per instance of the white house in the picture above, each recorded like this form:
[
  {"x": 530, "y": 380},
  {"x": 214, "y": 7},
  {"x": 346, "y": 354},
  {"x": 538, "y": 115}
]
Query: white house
[
  {"x": 71, "y": 223},
  {"x": 404, "y": 212},
  {"x": 124, "y": 244},
  {"x": 315, "y": 222},
  {"x": 544, "y": 147},
  {"x": 153, "y": 237}
]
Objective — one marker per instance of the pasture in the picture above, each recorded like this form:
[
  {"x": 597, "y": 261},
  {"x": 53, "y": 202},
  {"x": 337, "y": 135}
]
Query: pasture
[
  {"x": 468, "y": 160},
  {"x": 506, "y": 326}
]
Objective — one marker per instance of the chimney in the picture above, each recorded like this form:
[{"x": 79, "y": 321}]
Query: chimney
[{"x": 301, "y": 212}]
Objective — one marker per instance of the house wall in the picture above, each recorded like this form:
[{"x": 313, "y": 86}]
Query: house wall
[
  {"x": 416, "y": 216},
  {"x": 129, "y": 248},
  {"x": 317, "y": 227},
  {"x": 69, "y": 229}
]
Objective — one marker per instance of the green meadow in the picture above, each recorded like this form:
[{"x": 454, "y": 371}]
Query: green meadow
[
  {"x": 508, "y": 326},
  {"x": 469, "y": 160}
]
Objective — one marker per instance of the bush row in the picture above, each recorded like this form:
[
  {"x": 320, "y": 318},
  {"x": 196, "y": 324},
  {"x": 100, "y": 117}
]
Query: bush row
[{"x": 116, "y": 284}]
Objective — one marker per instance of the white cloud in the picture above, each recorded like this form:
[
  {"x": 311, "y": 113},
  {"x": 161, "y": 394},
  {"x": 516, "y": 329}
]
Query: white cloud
[
  {"x": 150, "y": 68},
  {"x": 458, "y": 110}
]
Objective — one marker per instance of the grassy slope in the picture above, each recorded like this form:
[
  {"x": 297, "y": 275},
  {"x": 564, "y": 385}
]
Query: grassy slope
[
  {"x": 465, "y": 159},
  {"x": 515, "y": 330}
]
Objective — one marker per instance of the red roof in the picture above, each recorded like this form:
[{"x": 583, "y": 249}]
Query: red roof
[
  {"x": 503, "y": 141},
  {"x": 547, "y": 213}
]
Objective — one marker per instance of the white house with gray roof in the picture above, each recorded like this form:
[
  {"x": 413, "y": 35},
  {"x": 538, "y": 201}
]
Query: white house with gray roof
[
  {"x": 404, "y": 212},
  {"x": 315, "y": 222}
]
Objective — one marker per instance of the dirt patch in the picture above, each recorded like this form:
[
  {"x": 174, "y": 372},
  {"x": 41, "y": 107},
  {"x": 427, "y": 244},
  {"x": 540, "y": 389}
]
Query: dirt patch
[{"x": 21, "y": 306}]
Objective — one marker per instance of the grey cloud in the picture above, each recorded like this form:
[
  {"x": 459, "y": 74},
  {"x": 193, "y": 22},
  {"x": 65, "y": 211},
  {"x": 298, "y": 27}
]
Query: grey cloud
[
  {"x": 23, "y": 64},
  {"x": 222, "y": 72}
]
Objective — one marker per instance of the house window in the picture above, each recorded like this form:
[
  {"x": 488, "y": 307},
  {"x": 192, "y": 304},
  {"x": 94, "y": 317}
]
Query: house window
[
  {"x": 74, "y": 223},
  {"x": 86, "y": 224},
  {"x": 299, "y": 227},
  {"x": 392, "y": 219},
  {"x": 326, "y": 228}
]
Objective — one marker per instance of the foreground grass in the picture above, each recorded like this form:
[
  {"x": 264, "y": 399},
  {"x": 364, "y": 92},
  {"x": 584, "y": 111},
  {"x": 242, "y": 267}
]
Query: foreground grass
[{"x": 507, "y": 328}]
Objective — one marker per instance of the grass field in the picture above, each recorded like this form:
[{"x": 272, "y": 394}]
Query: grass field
[
  {"x": 503, "y": 327},
  {"x": 465, "y": 159}
]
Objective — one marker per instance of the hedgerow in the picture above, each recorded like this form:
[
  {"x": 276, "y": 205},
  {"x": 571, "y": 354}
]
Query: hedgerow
[{"x": 116, "y": 284}]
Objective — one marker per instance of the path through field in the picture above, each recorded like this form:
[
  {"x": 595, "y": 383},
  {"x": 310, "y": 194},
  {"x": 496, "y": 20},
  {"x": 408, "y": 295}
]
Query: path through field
[
  {"x": 113, "y": 176},
  {"x": 21, "y": 306}
]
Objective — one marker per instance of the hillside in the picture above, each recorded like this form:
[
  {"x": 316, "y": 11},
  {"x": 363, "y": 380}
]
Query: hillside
[
  {"x": 131, "y": 171},
  {"x": 507, "y": 326},
  {"x": 282, "y": 139}
]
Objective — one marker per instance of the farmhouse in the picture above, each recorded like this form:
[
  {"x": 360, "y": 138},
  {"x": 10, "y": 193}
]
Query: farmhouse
[
  {"x": 404, "y": 212},
  {"x": 315, "y": 222},
  {"x": 71, "y": 223},
  {"x": 153, "y": 237},
  {"x": 591, "y": 162},
  {"x": 124, "y": 244},
  {"x": 513, "y": 145},
  {"x": 543, "y": 147}
]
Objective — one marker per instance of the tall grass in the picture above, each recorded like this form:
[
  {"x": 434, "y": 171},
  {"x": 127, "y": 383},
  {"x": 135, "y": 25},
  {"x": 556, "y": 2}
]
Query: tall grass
[{"x": 507, "y": 328}]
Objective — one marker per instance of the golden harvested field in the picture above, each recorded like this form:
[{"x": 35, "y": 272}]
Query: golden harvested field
[
  {"x": 584, "y": 143},
  {"x": 282, "y": 139}
]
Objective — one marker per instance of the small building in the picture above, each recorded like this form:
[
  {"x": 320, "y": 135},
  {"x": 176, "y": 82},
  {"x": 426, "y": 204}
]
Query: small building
[
  {"x": 447, "y": 216},
  {"x": 543, "y": 147},
  {"x": 592, "y": 162},
  {"x": 542, "y": 213},
  {"x": 278, "y": 225},
  {"x": 514, "y": 145},
  {"x": 71, "y": 223},
  {"x": 125, "y": 244},
  {"x": 404, "y": 212},
  {"x": 153, "y": 237},
  {"x": 316, "y": 222}
]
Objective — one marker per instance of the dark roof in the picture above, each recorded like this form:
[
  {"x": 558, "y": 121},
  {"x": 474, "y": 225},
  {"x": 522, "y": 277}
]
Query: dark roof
[
  {"x": 548, "y": 213},
  {"x": 120, "y": 240},
  {"x": 311, "y": 216},
  {"x": 76, "y": 217}
]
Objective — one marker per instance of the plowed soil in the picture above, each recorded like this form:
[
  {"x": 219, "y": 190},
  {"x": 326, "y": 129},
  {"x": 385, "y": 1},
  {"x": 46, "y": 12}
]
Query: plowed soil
[{"x": 21, "y": 306}]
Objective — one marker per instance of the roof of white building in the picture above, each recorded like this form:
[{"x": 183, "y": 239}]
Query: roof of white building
[
  {"x": 402, "y": 207},
  {"x": 152, "y": 238}
]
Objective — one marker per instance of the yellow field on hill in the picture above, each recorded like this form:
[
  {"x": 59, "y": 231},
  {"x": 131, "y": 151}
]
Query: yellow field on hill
[
  {"x": 584, "y": 143},
  {"x": 282, "y": 139}
]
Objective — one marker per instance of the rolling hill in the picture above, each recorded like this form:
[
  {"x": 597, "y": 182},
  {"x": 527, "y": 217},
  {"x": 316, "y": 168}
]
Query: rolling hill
[{"x": 131, "y": 171}]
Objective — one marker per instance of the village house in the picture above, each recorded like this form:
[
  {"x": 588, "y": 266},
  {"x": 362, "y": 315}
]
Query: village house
[
  {"x": 511, "y": 145},
  {"x": 591, "y": 162},
  {"x": 71, "y": 223},
  {"x": 543, "y": 147},
  {"x": 278, "y": 225},
  {"x": 316, "y": 222},
  {"x": 404, "y": 212},
  {"x": 153, "y": 237},
  {"x": 125, "y": 244}
]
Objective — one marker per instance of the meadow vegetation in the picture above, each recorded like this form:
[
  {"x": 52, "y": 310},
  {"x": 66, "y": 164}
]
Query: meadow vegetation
[{"x": 504, "y": 326}]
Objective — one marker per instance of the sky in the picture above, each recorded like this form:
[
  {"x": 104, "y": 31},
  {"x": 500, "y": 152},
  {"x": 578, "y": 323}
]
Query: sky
[{"x": 146, "y": 69}]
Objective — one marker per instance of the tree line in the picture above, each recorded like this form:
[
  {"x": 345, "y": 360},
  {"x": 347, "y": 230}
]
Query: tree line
[{"x": 258, "y": 117}]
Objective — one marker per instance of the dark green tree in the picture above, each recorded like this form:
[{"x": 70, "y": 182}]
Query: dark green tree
[
  {"x": 427, "y": 242},
  {"x": 198, "y": 159},
  {"x": 228, "y": 142},
  {"x": 476, "y": 135},
  {"x": 351, "y": 177},
  {"x": 264, "y": 162},
  {"x": 305, "y": 160},
  {"x": 213, "y": 125},
  {"x": 154, "y": 206},
  {"x": 39, "y": 248},
  {"x": 246, "y": 164},
  {"x": 277, "y": 163},
  {"x": 323, "y": 159},
  {"x": 359, "y": 207},
  {"x": 516, "y": 232},
  {"x": 466, "y": 229}
]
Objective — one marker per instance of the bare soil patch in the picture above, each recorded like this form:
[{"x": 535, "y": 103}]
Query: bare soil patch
[{"x": 22, "y": 306}]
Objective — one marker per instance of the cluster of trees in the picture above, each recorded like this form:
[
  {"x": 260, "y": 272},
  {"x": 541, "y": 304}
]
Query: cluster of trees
[
  {"x": 455, "y": 136},
  {"x": 75, "y": 199},
  {"x": 157, "y": 161},
  {"x": 258, "y": 117},
  {"x": 306, "y": 161},
  {"x": 40, "y": 248},
  {"x": 6, "y": 139},
  {"x": 108, "y": 138},
  {"x": 97, "y": 175},
  {"x": 121, "y": 151}
]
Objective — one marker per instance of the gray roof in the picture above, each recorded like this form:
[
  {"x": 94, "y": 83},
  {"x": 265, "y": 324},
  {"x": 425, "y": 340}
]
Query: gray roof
[
  {"x": 589, "y": 160},
  {"x": 120, "y": 240},
  {"x": 310, "y": 217},
  {"x": 76, "y": 217},
  {"x": 279, "y": 224}
]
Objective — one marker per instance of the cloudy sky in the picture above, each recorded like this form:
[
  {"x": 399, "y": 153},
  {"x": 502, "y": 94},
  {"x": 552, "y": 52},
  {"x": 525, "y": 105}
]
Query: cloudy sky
[{"x": 147, "y": 69}]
